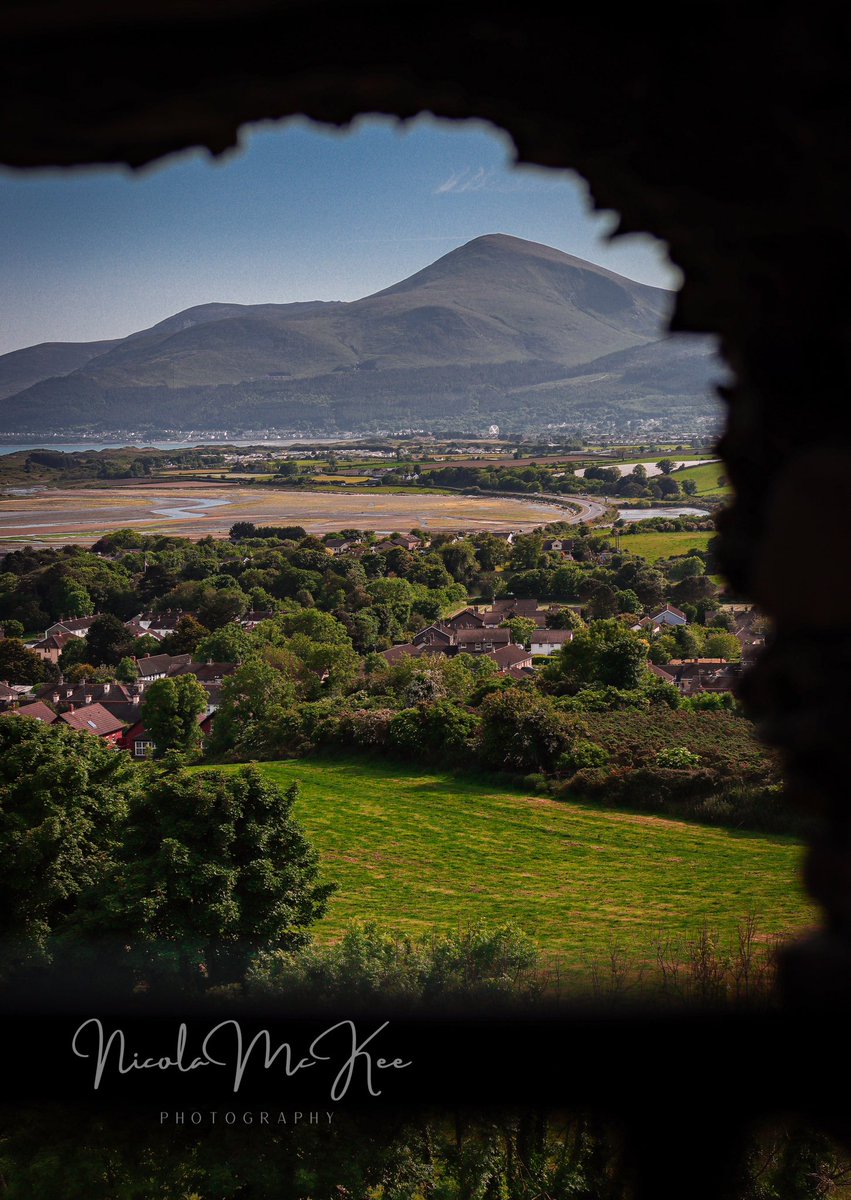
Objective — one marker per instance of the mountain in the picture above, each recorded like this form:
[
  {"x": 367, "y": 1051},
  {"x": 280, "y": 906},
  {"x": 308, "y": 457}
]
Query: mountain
[{"x": 500, "y": 329}]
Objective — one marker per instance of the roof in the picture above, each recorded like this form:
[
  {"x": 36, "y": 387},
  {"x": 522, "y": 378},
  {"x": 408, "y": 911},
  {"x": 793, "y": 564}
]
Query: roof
[
  {"x": 53, "y": 641},
  {"x": 396, "y": 653},
  {"x": 7, "y": 693},
  {"x": 37, "y": 709},
  {"x": 93, "y": 718},
  {"x": 552, "y": 637},
  {"x": 464, "y": 637},
  {"x": 159, "y": 664},
  {"x": 204, "y": 672},
  {"x": 668, "y": 676},
  {"x": 510, "y": 656},
  {"x": 677, "y": 612},
  {"x": 73, "y": 624}
]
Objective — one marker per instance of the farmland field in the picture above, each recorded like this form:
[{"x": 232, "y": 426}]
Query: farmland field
[
  {"x": 419, "y": 850},
  {"x": 706, "y": 477},
  {"x": 653, "y": 545}
]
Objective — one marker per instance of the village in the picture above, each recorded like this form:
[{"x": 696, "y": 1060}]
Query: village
[{"x": 517, "y": 636}]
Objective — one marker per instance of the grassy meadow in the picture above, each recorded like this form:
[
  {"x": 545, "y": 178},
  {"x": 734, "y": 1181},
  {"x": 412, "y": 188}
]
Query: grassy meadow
[
  {"x": 419, "y": 850},
  {"x": 706, "y": 478},
  {"x": 653, "y": 544}
]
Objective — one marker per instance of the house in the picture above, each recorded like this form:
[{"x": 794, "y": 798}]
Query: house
[
  {"x": 661, "y": 673},
  {"x": 94, "y": 718},
  {"x": 160, "y": 624},
  {"x": 251, "y": 620},
  {"x": 395, "y": 654},
  {"x": 434, "y": 635},
  {"x": 158, "y": 666},
  {"x": 558, "y": 546},
  {"x": 668, "y": 616},
  {"x": 550, "y": 641},
  {"x": 468, "y": 618},
  {"x": 511, "y": 657},
  {"x": 209, "y": 672},
  {"x": 8, "y": 697},
  {"x": 51, "y": 646},
  {"x": 135, "y": 627},
  {"x": 38, "y": 710},
  {"x": 78, "y": 626},
  {"x": 139, "y": 744},
  {"x": 337, "y": 545},
  {"x": 480, "y": 641},
  {"x": 67, "y": 696},
  {"x": 693, "y": 675}
]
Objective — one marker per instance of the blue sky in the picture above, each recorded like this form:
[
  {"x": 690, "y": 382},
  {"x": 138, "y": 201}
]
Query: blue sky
[{"x": 298, "y": 212}]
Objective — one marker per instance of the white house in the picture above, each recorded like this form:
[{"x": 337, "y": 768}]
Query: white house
[{"x": 549, "y": 641}]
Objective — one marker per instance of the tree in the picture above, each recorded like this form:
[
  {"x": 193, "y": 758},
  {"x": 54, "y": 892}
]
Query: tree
[
  {"x": 520, "y": 731},
  {"x": 108, "y": 640},
  {"x": 12, "y": 629},
  {"x": 213, "y": 868},
  {"x": 18, "y": 664},
  {"x": 666, "y": 465},
  {"x": 170, "y": 711},
  {"x": 63, "y": 796},
  {"x": 720, "y": 644},
  {"x": 231, "y": 643},
  {"x": 604, "y": 654},
  {"x": 521, "y": 628},
  {"x": 127, "y": 671},
  {"x": 221, "y": 605},
  {"x": 250, "y": 704},
  {"x": 187, "y": 634},
  {"x": 70, "y": 599},
  {"x": 689, "y": 486}
]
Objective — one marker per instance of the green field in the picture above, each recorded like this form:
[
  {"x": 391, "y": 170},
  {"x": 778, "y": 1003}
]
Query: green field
[
  {"x": 418, "y": 850},
  {"x": 706, "y": 478},
  {"x": 654, "y": 545}
]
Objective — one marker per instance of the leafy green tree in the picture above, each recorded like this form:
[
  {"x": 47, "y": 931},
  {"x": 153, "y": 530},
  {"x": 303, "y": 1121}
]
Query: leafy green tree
[
  {"x": 230, "y": 643},
  {"x": 108, "y": 640},
  {"x": 521, "y": 629},
  {"x": 12, "y": 629},
  {"x": 666, "y": 465},
  {"x": 63, "y": 796},
  {"x": 520, "y": 731},
  {"x": 219, "y": 606},
  {"x": 212, "y": 869},
  {"x": 187, "y": 634},
  {"x": 689, "y": 486},
  {"x": 18, "y": 664},
  {"x": 606, "y": 653},
  {"x": 250, "y": 706},
  {"x": 720, "y": 644},
  {"x": 71, "y": 599},
  {"x": 170, "y": 711},
  {"x": 127, "y": 671}
]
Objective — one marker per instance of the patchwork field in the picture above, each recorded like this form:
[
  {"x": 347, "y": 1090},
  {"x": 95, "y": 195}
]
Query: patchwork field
[
  {"x": 420, "y": 850},
  {"x": 706, "y": 477},
  {"x": 198, "y": 510}
]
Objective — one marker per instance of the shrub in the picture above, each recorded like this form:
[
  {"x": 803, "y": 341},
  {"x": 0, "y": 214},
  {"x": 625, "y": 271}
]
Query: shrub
[
  {"x": 677, "y": 758},
  {"x": 581, "y": 754}
]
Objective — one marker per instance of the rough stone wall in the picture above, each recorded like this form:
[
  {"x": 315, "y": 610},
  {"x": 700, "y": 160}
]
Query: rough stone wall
[{"x": 720, "y": 129}]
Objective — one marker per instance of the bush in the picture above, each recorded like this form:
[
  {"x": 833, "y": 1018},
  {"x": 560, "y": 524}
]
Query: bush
[
  {"x": 583, "y": 754},
  {"x": 677, "y": 758}
]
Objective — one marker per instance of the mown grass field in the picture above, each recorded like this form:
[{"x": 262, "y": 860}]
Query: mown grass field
[
  {"x": 654, "y": 545},
  {"x": 706, "y": 478},
  {"x": 418, "y": 850}
]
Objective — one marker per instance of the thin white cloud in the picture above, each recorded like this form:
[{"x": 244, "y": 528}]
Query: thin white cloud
[{"x": 466, "y": 180}]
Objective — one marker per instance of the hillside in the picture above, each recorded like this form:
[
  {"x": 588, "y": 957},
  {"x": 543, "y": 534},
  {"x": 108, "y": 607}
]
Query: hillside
[
  {"x": 498, "y": 329},
  {"x": 431, "y": 849}
]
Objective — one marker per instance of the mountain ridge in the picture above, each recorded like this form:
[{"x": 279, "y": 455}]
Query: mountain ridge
[{"x": 497, "y": 302}]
